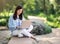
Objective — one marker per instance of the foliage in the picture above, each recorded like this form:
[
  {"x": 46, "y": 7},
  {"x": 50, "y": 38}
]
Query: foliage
[
  {"x": 53, "y": 20},
  {"x": 42, "y": 8}
]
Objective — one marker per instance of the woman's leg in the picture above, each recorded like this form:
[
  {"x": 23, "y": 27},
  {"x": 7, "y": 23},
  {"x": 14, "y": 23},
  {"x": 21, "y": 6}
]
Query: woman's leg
[
  {"x": 24, "y": 30},
  {"x": 30, "y": 28},
  {"x": 20, "y": 33},
  {"x": 26, "y": 33},
  {"x": 12, "y": 30},
  {"x": 15, "y": 32}
]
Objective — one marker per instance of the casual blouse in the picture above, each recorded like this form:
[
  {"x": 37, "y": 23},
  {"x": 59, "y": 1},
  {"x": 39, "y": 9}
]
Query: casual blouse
[{"x": 13, "y": 23}]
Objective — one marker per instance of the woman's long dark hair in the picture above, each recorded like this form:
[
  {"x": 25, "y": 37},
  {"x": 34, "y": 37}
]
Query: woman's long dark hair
[{"x": 15, "y": 13}]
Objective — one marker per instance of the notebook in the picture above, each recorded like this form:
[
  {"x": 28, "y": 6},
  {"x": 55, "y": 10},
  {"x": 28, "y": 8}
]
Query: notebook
[{"x": 25, "y": 24}]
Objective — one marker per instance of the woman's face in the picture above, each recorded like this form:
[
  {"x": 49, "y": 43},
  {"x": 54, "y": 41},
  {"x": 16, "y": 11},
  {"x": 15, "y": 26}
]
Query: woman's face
[{"x": 19, "y": 11}]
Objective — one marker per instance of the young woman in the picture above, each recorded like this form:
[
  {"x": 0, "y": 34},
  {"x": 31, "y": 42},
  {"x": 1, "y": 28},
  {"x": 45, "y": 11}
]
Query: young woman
[{"x": 15, "y": 20}]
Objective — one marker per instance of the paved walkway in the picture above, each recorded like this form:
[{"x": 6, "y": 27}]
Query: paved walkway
[
  {"x": 3, "y": 36},
  {"x": 52, "y": 38}
]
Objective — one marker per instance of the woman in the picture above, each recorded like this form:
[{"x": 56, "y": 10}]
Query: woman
[{"x": 15, "y": 20}]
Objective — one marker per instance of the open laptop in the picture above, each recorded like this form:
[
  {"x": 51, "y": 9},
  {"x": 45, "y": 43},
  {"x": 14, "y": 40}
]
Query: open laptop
[{"x": 25, "y": 24}]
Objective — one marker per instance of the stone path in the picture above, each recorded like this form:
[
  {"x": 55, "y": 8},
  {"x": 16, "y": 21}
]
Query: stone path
[
  {"x": 4, "y": 36},
  {"x": 52, "y": 38},
  {"x": 35, "y": 18}
]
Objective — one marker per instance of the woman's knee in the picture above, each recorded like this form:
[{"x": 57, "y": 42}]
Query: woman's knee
[{"x": 30, "y": 28}]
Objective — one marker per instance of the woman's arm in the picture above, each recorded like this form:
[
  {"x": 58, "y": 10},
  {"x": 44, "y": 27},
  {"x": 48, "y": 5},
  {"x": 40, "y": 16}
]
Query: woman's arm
[{"x": 10, "y": 23}]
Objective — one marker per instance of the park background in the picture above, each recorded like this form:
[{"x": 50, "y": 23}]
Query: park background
[{"x": 49, "y": 9}]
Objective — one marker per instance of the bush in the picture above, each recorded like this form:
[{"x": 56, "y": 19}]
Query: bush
[
  {"x": 41, "y": 28},
  {"x": 53, "y": 20}
]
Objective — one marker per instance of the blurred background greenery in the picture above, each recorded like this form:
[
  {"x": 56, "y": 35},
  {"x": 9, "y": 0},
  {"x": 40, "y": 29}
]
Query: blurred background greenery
[{"x": 49, "y": 9}]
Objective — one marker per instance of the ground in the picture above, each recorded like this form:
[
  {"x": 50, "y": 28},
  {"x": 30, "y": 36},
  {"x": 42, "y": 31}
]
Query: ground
[{"x": 52, "y": 38}]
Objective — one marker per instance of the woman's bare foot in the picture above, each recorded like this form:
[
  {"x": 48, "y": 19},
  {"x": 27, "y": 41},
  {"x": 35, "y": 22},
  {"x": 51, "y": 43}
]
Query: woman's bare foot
[{"x": 36, "y": 39}]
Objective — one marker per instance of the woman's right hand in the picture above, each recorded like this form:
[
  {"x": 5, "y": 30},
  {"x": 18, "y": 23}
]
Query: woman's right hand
[{"x": 17, "y": 27}]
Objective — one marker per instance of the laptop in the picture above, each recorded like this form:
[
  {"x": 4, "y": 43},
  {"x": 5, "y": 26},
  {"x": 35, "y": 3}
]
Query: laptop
[{"x": 25, "y": 24}]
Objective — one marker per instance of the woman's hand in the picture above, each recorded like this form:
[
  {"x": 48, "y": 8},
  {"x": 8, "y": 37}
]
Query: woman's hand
[{"x": 17, "y": 27}]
